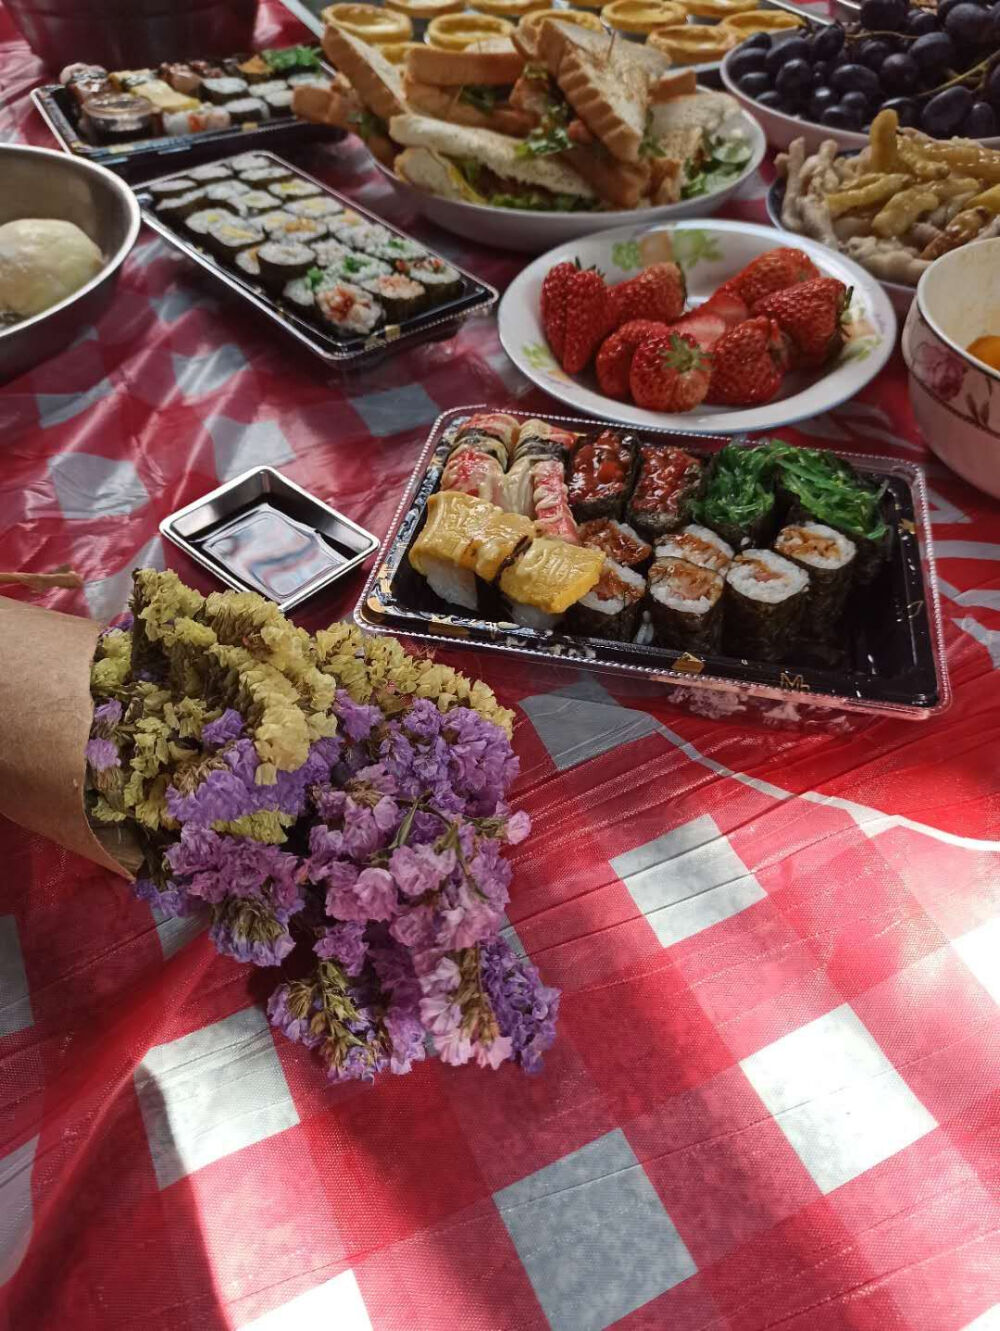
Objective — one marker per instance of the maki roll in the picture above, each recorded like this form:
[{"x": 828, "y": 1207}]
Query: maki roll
[
  {"x": 286, "y": 226},
  {"x": 286, "y": 190},
  {"x": 163, "y": 189},
  {"x": 267, "y": 173},
  {"x": 538, "y": 439},
  {"x": 180, "y": 206},
  {"x": 211, "y": 171},
  {"x": 254, "y": 69},
  {"x": 439, "y": 279},
  {"x": 665, "y": 490},
  {"x": 317, "y": 205},
  {"x": 269, "y": 85},
  {"x": 222, "y": 90},
  {"x": 227, "y": 237},
  {"x": 739, "y": 500},
  {"x": 250, "y": 162},
  {"x": 550, "y": 576},
  {"x": 765, "y": 599},
  {"x": 685, "y": 602},
  {"x": 385, "y": 244},
  {"x": 248, "y": 111},
  {"x": 618, "y": 541},
  {"x": 199, "y": 120},
  {"x": 355, "y": 267},
  {"x": 400, "y": 296},
  {"x": 257, "y": 202},
  {"x": 491, "y": 432},
  {"x": 347, "y": 311},
  {"x": 350, "y": 228},
  {"x": 828, "y": 557},
  {"x": 279, "y": 102},
  {"x": 198, "y": 223},
  {"x": 328, "y": 252},
  {"x": 226, "y": 189},
  {"x": 300, "y": 297},
  {"x": 600, "y": 471},
  {"x": 248, "y": 263},
  {"x": 699, "y": 545},
  {"x": 612, "y": 608},
  {"x": 282, "y": 261},
  {"x": 308, "y": 80}
]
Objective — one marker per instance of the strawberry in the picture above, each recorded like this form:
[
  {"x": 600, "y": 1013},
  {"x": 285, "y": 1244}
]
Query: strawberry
[
  {"x": 555, "y": 289},
  {"x": 774, "y": 271},
  {"x": 728, "y": 304},
  {"x": 811, "y": 316},
  {"x": 657, "y": 293},
  {"x": 614, "y": 359},
  {"x": 669, "y": 372},
  {"x": 747, "y": 364},
  {"x": 702, "y": 327}
]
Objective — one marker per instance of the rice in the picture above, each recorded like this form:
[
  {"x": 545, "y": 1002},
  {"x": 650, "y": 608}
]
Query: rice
[
  {"x": 815, "y": 545},
  {"x": 765, "y": 576},
  {"x": 699, "y": 545}
]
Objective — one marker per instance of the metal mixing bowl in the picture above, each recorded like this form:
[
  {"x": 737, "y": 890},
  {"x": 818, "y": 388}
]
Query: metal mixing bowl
[{"x": 39, "y": 183}]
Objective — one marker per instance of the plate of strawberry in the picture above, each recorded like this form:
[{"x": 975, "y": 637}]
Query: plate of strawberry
[{"x": 697, "y": 326}]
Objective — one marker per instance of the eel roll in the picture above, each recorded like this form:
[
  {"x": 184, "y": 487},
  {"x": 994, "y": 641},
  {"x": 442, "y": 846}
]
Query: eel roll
[
  {"x": 611, "y": 608},
  {"x": 765, "y": 599},
  {"x": 828, "y": 557},
  {"x": 685, "y": 601},
  {"x": 699, "y": 545}
]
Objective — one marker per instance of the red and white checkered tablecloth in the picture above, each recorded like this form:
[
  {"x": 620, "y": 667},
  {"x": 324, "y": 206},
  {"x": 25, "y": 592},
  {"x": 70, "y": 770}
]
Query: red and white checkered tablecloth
[{"x": 774, "y": 1101}]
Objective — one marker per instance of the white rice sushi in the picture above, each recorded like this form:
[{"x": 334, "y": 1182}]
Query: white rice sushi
[
  {"x": 611, "y": 609},
  {"x": 700, "y": 545},
  {"x": 765, "y": 599},
  {"x": 453, "y": 584}
]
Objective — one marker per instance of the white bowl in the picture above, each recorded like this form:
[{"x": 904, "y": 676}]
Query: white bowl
[
  {"x": 956, "y": 398},
  {"x": 710, "y": 252},
  {"x": 533, "y": 233},
  {"x": 781, "y": 129}
]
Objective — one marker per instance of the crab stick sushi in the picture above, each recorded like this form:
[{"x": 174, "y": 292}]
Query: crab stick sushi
[
  {"x": 551, "y": 502},
  {"x": 765, "y": 599},
  {"x": 491, "y": 432},
  {"x": 617, "y": 540},
  {"x": 473, "y": 471},
  {"x": 685, "y": 602},
  {"x": 539, "y": 439},
  {"x": 517, "y": 490},
  {"x": 699, "y": 545},
  {"x": 829, "y": 558},
  {"x": 611, "y": 609}
]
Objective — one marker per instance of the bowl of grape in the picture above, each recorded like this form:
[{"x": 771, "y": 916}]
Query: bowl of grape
[{"x": 938, "y": 68}]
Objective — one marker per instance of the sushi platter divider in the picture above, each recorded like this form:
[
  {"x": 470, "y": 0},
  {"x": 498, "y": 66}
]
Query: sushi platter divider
[
  {"x": 866, "y": 635},
  {"x": 332, "y": 275},
  {"x": 134, "y": 149}
]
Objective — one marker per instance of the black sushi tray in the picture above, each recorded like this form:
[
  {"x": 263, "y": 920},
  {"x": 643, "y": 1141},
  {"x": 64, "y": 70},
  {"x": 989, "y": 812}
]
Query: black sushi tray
[
  {"x": 891, "y": 659},
  {"x": 438, "y": 323}
]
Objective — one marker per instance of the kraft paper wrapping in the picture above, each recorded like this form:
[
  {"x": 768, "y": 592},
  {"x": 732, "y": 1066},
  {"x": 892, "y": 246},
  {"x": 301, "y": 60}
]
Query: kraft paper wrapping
[{"x": 45, "y": 713}]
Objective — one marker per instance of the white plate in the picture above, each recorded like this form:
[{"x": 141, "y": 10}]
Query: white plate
[
  {"x": 710, "y": 253},
  {"x": 533, "y": 233}
]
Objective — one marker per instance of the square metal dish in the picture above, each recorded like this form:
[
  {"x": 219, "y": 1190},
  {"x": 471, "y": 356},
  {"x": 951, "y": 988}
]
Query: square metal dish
[
  {"x": 54, "y": 104},
  {"x": 892, "y": 642},
  {"x": 263, "y": 533},
  {"x": 440, "y": 322}
]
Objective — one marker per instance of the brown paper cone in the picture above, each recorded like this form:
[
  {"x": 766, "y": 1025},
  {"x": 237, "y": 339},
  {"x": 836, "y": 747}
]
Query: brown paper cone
[{"x": 45, "y": 713}]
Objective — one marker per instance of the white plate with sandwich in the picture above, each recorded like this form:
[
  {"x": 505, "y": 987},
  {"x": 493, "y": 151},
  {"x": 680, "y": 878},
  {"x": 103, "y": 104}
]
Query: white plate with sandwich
[
  {"x": 709, "y": 254},
  {"x": 526, "y": 148}
]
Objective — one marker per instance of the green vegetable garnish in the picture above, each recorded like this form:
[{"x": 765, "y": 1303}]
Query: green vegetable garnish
[
  {"x": 539, "y": 201},
  {"x": 550, "y": 136},
  {"x": 726, "y": 158},
  {"x": 482, "y": 97},
  {"x": 314, "y": 277},
  {"x": 738, "y": 494},
  {"x": 650, "y": 146},
  {"x": 292, "y": 57}
]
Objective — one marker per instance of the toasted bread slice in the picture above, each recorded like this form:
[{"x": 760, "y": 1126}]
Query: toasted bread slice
[
  {"x": 675, "y": 83},
  {"x": 622, "y": 184},
  {"x": 434, "y": 174},
  {"x": 556, "y": 40},
  {"x": 498, "y": 65},
  {"x": 706, "y": 110},
  {"x": 448, "y": 104},
  {"x": 610, "y": 99},
  {"x": 496, "y": 152},
  {"x": 378, "y": 83}
]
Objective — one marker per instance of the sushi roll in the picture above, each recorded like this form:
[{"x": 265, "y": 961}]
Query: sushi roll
[
  {"x": 257, "y": 202},
  {"x": 516, "y": 489},
  {"x": 611, "y": 609},
  {"x": 350, "y": 228},
  {"x": 346, "y": 310},
  {"x": 199, "y": 222},
  {"x": 739, "y": 497},
  {"x": 182, "y": 77},
  {"x": 474, "y": 472},
  {"x": 539, "y": 439},
  {"x": 286, "y": 190},
  {"x": 490, "y": 427},
  {"x": 259, "y": 177},
  {"x": 306, "y": 79},
  {"x": 199, "y": 120},
  {"x": 600, "y": 473},
  {"x": 279, "y": 102},
  {"x": 255, "y": 70},
  {"x": 699, "y": 545},
  {"x": 617, "y": 541},
  {"x": 127, "y": 79},
  {"x": 328, "y": 252},
  {"x": 248, "y": 111},
  {"x": 765, "y": 599},
  {"x": 227, "y": 237},
  {"x": 209, "y": 173},
  {"x": 356, "y": 267},
  {"x": 300, "y": 297},
  {"x": 439, "y": 279},
  {"x": 400, "y": 296},
  {"x": 542, "y": 583},
  {"x": 250, "y": 162},
  {"x": 178, "y": 207},
  {"x": 550, "y": 500},
  {"x": 829, "y": 558},
  {"x": 223, "y": 90},
  {"x": 685, "y": 602},
  {"x": 248, "y": 263},
  {"x": 224, "y": 190},
  {"x": 270, "y": 85},
  {"x": 662, "y": 499},
  {"x": 385, "y": 244},
  {"x": 164, "y": 189},
  {"x": 282, "y": 261},
  {"x": 316, "y": 206}
]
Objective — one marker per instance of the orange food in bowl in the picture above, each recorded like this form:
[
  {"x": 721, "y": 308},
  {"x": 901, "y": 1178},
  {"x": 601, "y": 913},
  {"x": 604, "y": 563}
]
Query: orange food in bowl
[
  {"x": 694, "y": 43},
  {"x": 986, "y": 349},
  {"x": 762, "y": 20}
]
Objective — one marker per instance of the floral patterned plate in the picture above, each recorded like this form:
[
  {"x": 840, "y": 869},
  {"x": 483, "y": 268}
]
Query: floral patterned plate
[{"x": 709, "y": 253}]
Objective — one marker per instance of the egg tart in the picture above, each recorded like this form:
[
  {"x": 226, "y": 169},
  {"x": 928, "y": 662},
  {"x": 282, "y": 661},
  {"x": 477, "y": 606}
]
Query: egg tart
[
  {"x": 456, "y": 32},
  {"x": 639, "y": 17},
  {"x": 510, "y": 9},
  {"x": 422, "y": 10},
  {"x": 396, "y": 52},
  {"x": 581, "y": 17},
  {"x": 694, "y": 43},
  {"x": 762, "y": 20},
  {"x": 719, "y": 9},
  {"x": 369, "y": 23}
]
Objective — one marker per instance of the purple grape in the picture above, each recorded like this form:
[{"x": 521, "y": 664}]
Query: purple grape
[
  {"x": 857, "y": 78},
  {"x": 900, "y": 73},
  {"x": 933, "y": 52},
  {"x": 945, "y": 112},
  {"x": 907, "y": 110},
  {"x": 743, "y": 62},
  {"x": 829, "y": 43},
  {"x": 794, "y": 79},
  {"x": 821, "y": 100},
  {"x": 796, "y": 48},
  {"x": 874, "y": 52},
  {"x": 856, "y": 103},
  {"x": 884, "y": 15},
  {"x": 771, "y": 99},
  {"x": 981, "y": 122},
  {"x": 991, "y": 88},
  {"x": 752, "y": 85},
  {"x": 967, "y": 23},
  {"x": 920, "y": 22},
  {"x": 760, "y": 41},
  {"x": 837, "y": 118}
]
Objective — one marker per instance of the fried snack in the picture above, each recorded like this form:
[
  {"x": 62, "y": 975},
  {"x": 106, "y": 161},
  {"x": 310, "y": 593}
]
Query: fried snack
[
  {"x": 963, "y": 227},
  {"x": 762, "y": 20},
  {"x": 882, "y": 152},
  {"x": 988, "y": 199},
  {"x": 913, "y": 159},
  {"x": 903, "y": 209},
  {"x": 878, "y": 191},
  {"x": 888, "y": 260},
  {"x": 456, "y": 32}
]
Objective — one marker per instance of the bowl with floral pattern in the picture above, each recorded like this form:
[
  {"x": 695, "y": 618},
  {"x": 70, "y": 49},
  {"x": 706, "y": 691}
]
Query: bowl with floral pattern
[{"x": 955, "y": 395}]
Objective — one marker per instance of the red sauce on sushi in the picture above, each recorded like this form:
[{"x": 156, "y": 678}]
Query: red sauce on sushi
[
  {"x": 600, "y": 466},
  {"x": 666, "y": 475}
]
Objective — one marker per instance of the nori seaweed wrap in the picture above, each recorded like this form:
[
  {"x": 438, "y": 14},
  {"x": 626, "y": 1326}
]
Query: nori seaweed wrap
[
  {"x": 765, "y": 600},
  {"x": 739, "y": 500},
  {"x": 611, "y": 609},
  {"x": 685, "y": 602},
  {"x": 665, "y": 491},
  {"x": 600, "y": 474},
  {"x": 828, "y": 557}
]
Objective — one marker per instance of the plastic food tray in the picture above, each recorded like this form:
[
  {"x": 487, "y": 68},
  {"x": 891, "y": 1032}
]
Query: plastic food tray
[
  {"x": 440, "y": 322},
  {"x": 895, "y": 663},
  {"x": 142, "y": 157}
]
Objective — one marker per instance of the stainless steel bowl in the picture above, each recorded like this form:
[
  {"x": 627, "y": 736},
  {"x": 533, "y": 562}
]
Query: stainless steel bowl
[{"x": 40, "y": 183}]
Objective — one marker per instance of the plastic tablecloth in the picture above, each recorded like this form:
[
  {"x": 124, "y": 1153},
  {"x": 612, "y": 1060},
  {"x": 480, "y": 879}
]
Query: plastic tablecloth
[{"x": 775, "y": 1096}]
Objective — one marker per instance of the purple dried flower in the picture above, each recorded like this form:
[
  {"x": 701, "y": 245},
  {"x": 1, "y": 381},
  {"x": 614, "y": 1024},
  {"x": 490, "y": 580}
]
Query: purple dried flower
[
  {"x": 525, "y": 1009},
  {"x": 227, "y": 727},
  {"x": 345, "y": 944},
  {"x": 357, "y": 719},
  {"x": 420, "y": 869},
  {"x": 107, "y": 714},
  {"x": 101, "y": 754}
]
